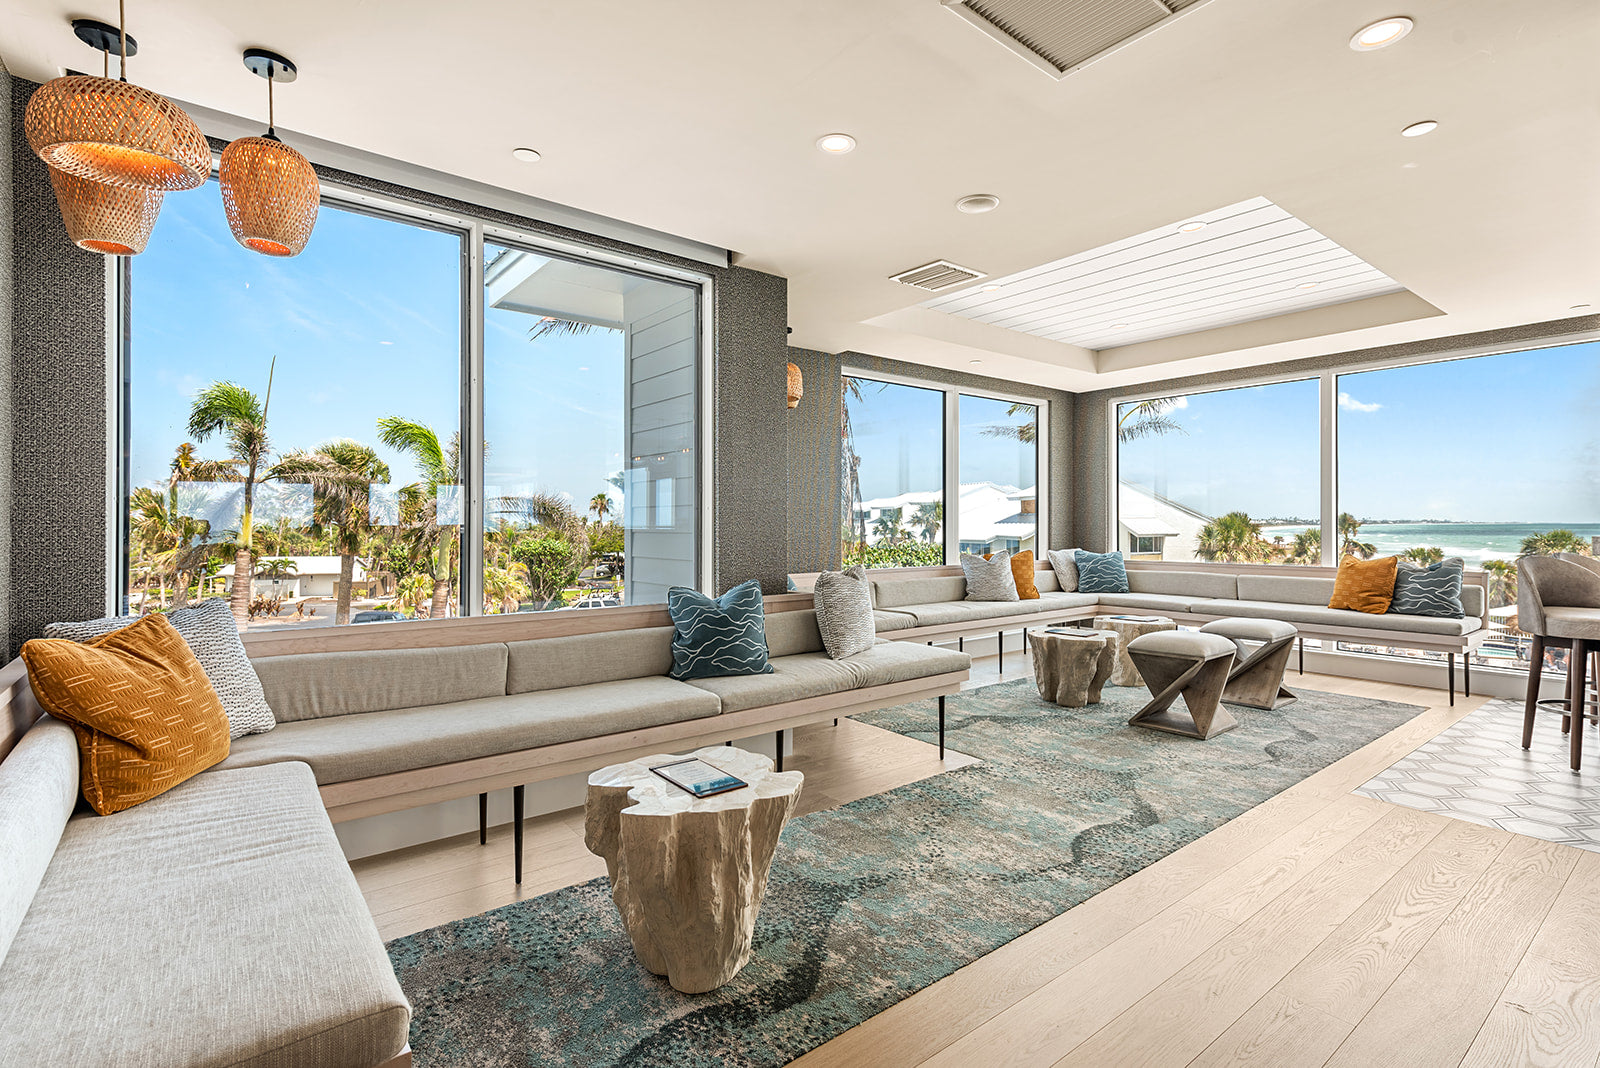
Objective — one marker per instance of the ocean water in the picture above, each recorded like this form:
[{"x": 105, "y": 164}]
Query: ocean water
[{"x": 1473, "y": 542}]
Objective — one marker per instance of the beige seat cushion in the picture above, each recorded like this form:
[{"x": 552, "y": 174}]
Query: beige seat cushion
[
  {"x": 217, "y": 924},
  {"x": 890, "y": 661},
  {"x": 1150, "y": 602},
  {"x": 977, "y": 612},
  {"x": 1337, "y": 617},
  {"x": 893, "y": 621},
  {"x": 1563, "y": 622},
  {"x": 793, "y": 678},
  {"x": 342, "y": 748}
]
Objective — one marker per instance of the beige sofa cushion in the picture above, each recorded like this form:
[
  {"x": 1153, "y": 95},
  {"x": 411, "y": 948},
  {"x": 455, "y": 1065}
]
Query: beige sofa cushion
[
  {"x": 883, "y": 621},
  {"x": 1337, "y": 617},
  {"x": 789, "y": 633},
  {"x": 1149, "y": 602},
  {"x": 379, "y": 743},
  {"x": 795, "y": 678},
  {"x": 896, "y": 593},
  {"x": 38, "y": 791},
  {"x": 1289, "y": 588},
  {"x": 1184, "y": 583},
  {"x": 974, "y": 612},
  {"x": 889, "y": 661},
  {"x": 579, "y": 659},
  {"x": 217, "y": 924},
  {"x": 314, "y": 685}
]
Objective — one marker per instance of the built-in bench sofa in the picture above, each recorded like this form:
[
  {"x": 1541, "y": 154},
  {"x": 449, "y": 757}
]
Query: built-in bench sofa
[
  {"x": 218, "y": 924},
  {"x": 927, "y": 604}
]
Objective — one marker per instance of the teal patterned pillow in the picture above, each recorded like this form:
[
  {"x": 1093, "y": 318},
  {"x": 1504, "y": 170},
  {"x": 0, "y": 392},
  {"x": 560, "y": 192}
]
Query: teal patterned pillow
[
  {"x": 726, "y": 636},
  {"x": 1434, "y": 590},
  {"x": 1101, "y": 572}
]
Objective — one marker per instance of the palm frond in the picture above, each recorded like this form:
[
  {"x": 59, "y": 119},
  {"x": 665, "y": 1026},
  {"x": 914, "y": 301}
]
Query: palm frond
[{"x": 418, "y": 441}]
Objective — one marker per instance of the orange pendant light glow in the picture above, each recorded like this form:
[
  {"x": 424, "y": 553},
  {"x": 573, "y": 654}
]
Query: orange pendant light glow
[
  {"x": 107, "y": 219},
  {"x": 796, "y": 386},
  {"x": 111, "y": 131},
  {"x": 269, "y": 190}
]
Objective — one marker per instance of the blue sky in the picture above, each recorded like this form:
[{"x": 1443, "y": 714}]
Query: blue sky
[
  {"x": 1497, "y": 439},
  {"x": 365, "y": 323},
  {"x": 899, "y": 435}
]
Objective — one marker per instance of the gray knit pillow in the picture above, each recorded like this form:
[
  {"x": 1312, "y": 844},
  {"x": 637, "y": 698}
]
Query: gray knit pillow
[
  {"x": 213, "y": 637},
  {"x": 844, "y": 612},
  {"x": 1065, "y": 564},
  {"x": 991, "y": 579}
]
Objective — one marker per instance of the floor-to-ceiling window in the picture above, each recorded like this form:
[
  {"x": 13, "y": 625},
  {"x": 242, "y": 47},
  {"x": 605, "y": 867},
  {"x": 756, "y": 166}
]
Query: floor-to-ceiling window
[
  {"x": 1230, "y": 476},
  {"x": 1486, "y": 458},
  {"x": 893, "y": 474},
  {"x": 999, "y": 475},
  {"x": 293, "y": 427}
]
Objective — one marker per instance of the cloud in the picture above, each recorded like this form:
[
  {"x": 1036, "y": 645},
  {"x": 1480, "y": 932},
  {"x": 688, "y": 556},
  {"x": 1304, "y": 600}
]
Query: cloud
[
  {"x": 1350, "y": 404},
  {"x": 1178, "y": 403}
]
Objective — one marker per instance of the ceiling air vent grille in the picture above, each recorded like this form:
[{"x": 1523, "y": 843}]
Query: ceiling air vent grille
[
  {"x": 940, "y": 274},
  {"x": 1058, "y": 36}
]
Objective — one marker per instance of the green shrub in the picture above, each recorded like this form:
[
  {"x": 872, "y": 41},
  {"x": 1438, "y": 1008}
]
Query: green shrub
[{"x": 905, "y": 554}]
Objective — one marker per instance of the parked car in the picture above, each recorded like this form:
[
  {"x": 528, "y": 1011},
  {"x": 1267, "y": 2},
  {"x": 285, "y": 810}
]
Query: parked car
[{"x": 377, "y": 616}]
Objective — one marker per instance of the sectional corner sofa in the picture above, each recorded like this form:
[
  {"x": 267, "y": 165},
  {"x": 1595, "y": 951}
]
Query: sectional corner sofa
[
  {"x": 219, "y": 924},
  {"x": 927, "y": 604}
]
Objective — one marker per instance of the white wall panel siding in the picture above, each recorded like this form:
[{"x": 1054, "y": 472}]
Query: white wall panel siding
[{"x": 1249, "y": 262}]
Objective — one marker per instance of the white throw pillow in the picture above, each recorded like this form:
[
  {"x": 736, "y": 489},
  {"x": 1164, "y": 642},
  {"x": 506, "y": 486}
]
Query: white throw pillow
[
  {"x": 991, "y": 579},
  {"x": 1064, "y": 563},
  {"x": 843, "y": 601},
  {"x": 213, "y": 637}
]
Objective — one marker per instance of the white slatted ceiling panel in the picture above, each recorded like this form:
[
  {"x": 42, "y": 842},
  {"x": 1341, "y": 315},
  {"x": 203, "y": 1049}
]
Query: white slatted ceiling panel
[
  {"x": 1067, "y": 32},
  {"x": 1248, "y": 263}
]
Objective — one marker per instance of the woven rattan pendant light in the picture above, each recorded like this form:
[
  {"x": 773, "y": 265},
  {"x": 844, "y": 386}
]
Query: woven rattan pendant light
[
  {"x": 269, "y": 190},
  {"x": 107, "y": 219},
  {"x": 796, "y": 386},
  {"x": 109, "y": 130}
]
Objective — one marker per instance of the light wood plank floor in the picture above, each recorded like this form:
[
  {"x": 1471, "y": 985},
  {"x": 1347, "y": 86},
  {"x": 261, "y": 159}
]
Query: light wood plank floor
[{"x": 1319, "y": 928}]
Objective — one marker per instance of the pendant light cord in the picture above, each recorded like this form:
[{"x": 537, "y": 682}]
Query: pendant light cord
[
  {"x": 122, "y": 30},
  {"x": 272, "y": 122}
]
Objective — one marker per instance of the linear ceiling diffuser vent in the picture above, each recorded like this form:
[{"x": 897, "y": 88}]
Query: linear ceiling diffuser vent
[
  {"x": 940, "y": 274},
  {"x": 1058, "y": 36}
]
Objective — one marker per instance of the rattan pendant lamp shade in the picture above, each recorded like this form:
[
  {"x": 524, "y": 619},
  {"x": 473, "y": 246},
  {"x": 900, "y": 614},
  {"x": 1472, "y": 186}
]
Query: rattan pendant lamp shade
[
  {"x": 107, "y": 219},
  {"x": 796, "y": 386},
  {"x": 269, "y": 191},
  {"x": 108, "y": 130}
]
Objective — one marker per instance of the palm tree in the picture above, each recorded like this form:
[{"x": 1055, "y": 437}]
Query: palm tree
[
  {"x": 1349, "y": 527},
  {"x": 1233, "y": 538},
  {"x": 235, "y": 412},
  {"x": 928, "y": 518},
  {"x": 550, "y": 511},
  {"x": 414, "y": 591},
  {"x": 1502, "y": 582},
  {"x": 887, "y": 526},
  {"x": 1148, "y": 418},
  {"x": 600, "y": 506},
  {"x": 1027, "y": 433},
  {"x": 855, "y": 518},
  {"x": 1554, "y": 541},
  {"x": 277, "y": 570},
  {"x": 439, "y": 466},
  {"x": 505, "y": 587},
  {"x": 341, "y": 474},
  {"x": 550, "y": 326},
  {"x": 1307, "y": 547},
  {"x": 1423, "y": 554}
]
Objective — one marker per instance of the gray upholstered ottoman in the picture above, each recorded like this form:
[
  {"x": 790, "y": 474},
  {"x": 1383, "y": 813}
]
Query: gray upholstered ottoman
[
  {"x": 1257, "y": 676},
  {"x": 1189, "y": 664}
]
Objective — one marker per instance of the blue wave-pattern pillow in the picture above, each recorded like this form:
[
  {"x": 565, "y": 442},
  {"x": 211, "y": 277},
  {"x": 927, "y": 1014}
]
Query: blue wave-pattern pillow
[
  {"x": 1434, "y": 590},
  {"x": 1101, "y": 572},
  {"x": 712, "y": 638}
]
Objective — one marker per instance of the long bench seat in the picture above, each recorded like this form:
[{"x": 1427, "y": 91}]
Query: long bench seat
[{"x": 929, "y": 605}]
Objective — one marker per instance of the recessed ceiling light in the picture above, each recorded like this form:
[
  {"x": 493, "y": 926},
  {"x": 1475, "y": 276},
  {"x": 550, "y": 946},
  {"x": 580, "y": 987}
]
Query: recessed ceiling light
[
  {"x": 1417, "y": 129},
  {"x": 1192, "y": 227},
  {"x": 1380, "y": 34},
  {"x": 1580, "y": 307},
  {"x": 976, "y": 363},
  {"x": 978, "y": 203},
  {"x": 990, "y": 289},
  {"x": 836, "y": 144},
  {"x": 1119, "y": 326},
  {"x": 526, "y": 155},
  {"x": 1306, "y": 285}
]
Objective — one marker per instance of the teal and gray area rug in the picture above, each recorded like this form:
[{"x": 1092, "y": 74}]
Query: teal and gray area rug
[{"x": 873, "y": 901}]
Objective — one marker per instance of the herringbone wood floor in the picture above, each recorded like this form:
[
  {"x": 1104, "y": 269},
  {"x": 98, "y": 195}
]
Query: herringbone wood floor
[{"x": 1319, "y": 928}]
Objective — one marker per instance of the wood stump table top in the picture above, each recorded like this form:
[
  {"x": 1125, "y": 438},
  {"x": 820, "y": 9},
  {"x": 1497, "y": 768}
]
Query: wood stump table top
[
  {"x": 1071, "y": 664},
  {"x": 688, "y": 873},
  {"x": 1128, "y": 628}
]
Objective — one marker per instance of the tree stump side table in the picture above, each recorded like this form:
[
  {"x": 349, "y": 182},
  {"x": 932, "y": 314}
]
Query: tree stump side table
[
  {"x": 1070, "y": 667},
  {"x": 1126, "y": 673},
  {"x": 688, "y": 873}
]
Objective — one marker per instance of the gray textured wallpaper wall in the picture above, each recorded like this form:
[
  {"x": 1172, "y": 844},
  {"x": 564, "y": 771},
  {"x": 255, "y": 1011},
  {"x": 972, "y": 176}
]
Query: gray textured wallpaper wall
[
  {"x": 53, "y": 476},
  {"x": 1091, "y": 423},
  {"x": 7, "y": 293},
  {"x": 1061, "y": 469},
  {"x": 813, "y": 467}
]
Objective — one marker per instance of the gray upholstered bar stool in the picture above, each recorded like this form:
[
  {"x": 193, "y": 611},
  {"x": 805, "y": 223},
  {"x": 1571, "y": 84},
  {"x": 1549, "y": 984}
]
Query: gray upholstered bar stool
[{"x": 1558, "y": 602}]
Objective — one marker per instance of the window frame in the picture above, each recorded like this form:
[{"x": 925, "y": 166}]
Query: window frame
[
  {"x": 475, "y": 231},
  {"x": 950, "y": 534}
]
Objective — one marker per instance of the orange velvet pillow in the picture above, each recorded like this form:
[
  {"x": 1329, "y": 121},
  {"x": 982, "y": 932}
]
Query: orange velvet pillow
[
  {"x": 1365, "y": 585},
  {"x": 144, "y": 712},
  {"x": 1022, "y": 574}
]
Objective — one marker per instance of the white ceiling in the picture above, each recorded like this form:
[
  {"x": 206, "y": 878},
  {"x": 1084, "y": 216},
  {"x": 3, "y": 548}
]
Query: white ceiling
[
  {"x": 1250, "y": 261},
  {"x": 698, "y": 118}
]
